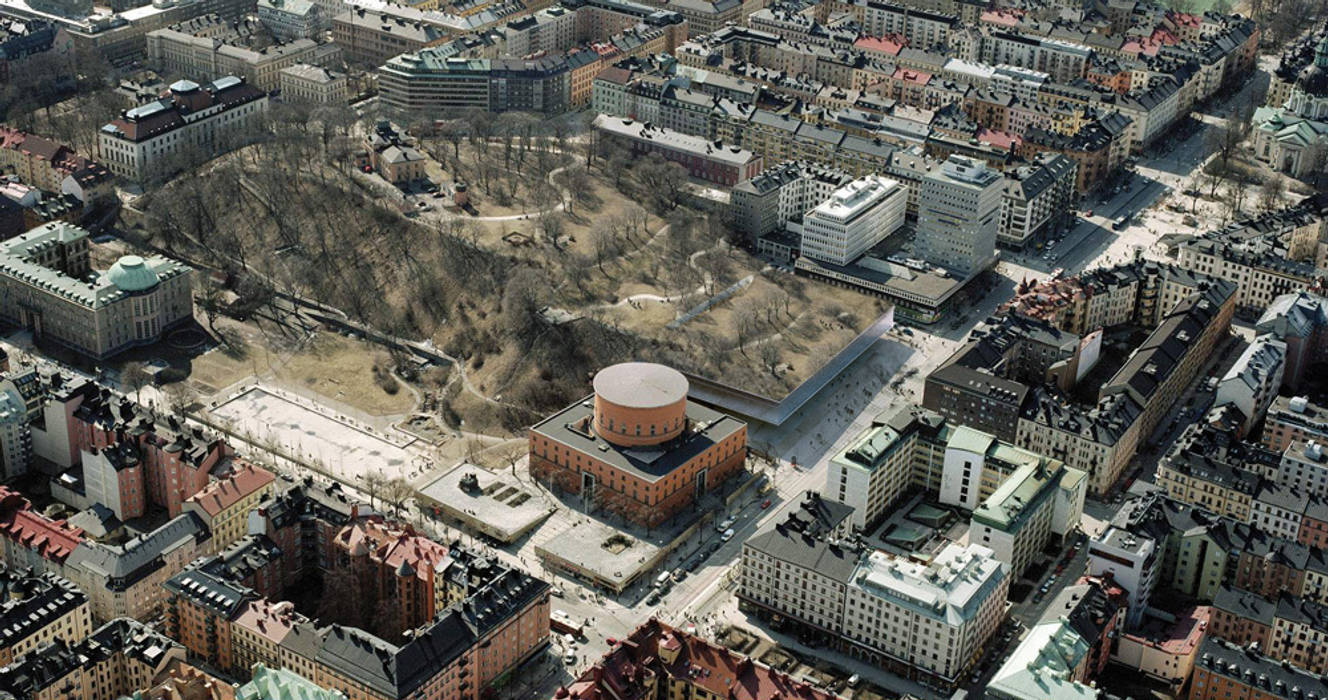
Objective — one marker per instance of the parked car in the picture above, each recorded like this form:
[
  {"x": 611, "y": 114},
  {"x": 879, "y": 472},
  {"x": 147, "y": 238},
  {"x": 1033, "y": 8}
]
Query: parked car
[
  {"x": 569, "y": 658},
  {"x": 728, "y": 535},
  {"x": 728, "y": 523},
  {"x": 765, "y": 504}
]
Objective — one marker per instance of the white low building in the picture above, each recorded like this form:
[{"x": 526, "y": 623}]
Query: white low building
[{"x": 854, "y": 219}]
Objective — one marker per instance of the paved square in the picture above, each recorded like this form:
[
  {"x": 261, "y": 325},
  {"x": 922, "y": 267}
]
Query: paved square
[{"x": 312, "y": 433}]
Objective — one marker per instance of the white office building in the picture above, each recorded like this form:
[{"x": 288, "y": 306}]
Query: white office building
[
  {"x": 959, "y": 214},
  {"x": 930, "y": 617},
  {"x": 1132, "y": 561},
  {"x": 856, "y": 217},
  {"x": 1304, "y": 467}
]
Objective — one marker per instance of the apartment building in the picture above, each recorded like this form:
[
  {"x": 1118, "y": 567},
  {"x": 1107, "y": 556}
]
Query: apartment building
[
  {"x": 922, "y": 28},
  {"x": 191, "y": 121},
  {"x": 1293, "y": 419},
  {"x": 597, "y": 19},
  {"x": 928, "y": 621},
  {"x": 466, "y": 619},
  {"x": 131, "y": 457},
  {"x": 1037, "y": 200},
  {"x": 45, "y": 277},
  {"x": 1304, "y": 466},
  {"x": 269, "y": 683},
  {"x": 1173, "y": 353},
  {"x": 1209, "y": 468},
  {"x": 1251, "y": 384},
  {"x": 118, "y": 659},
  {"x": 715, "y": 162},
  {"x": 197, "y": 48},
  {"x": 780, "y": 194},
  {"x": 126, "y": 580},
  {"x": 985, "y": 384},
  {"x": 1253, "y": 255},
  {"x": 800, "y": 568},
  {"x": 656, "y": 658},
  {"x": 1064, "y": 61},
  {"x": 53, "y": 167},
  {"x": 1224, "y": 670},
  {"x": 706, "y": 16},
  {"x": 1099, "y": 440},
  {"x": 37, "y": 609},
  {"x": 372, "y": 37},
  {"x": 933, "y": 618},
  {"x": 959, "y": 210},
  {"x": 224, "y": 504},
  {"x": 900, "y": 451},
  {"x": 1132, "y": 562},
  {"x": 1284, "y": 626},
  {"x": 31, "y": 540},
  {"x": 853, "y": 220},
  {"x": 198, "y": 613},
  {"x": 1300, "y": 320},
  {"x": 312, "y": 84}
]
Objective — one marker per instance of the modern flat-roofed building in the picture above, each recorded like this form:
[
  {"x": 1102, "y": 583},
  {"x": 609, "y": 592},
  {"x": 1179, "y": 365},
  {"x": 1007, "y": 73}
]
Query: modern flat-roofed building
[
  {"x": 1133, "y": 561},
  {"x": 711, "y": 161},
  {"x": 428, "y": 80},
  {"x": 1290, "y": 419},
  {"x": 44, "y": 276},
  {"x": 853, "y": 219},
  {"x": 290, "y": 19},
  {"x": 959, "y": 210},
  {"x": 638, "y": 447},
  {"x": 192, "y": 121}
]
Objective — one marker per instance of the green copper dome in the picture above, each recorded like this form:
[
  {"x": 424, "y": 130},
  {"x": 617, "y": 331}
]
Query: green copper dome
[{"x": 132, "y": 274}]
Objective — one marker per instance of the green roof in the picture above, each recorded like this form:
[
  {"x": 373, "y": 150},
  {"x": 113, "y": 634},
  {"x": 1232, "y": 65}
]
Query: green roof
[
  {"x": 132, "y": 274},
  {"x": 1042, "y": 665},
  {"x": 869, "y": 451},
  {"x": 1029, "y": 486}
]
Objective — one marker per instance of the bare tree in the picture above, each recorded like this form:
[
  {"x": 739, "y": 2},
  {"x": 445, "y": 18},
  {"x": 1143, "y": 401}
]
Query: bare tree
[
  {"x": 663, "y": 181},
  {"x": 396, "y": 492},
  {"x": 373, "y": 482},
  {"x": 1272, "y": 193},
  {"x": 770, "y": 356},
  {"x": 135, "y": 376}
]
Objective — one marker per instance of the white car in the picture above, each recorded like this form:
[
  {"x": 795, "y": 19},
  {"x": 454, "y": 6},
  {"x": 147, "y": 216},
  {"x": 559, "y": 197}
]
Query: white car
[
  {"x": 728, "y": 523},
  {"x": 728, "y": 535}
]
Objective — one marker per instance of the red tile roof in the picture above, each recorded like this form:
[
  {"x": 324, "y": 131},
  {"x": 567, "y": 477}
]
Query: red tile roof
[
  {"x": 220, "y": 495},
  {"x": 52, "y": 539},
  {"x": 911, "y": 76},
  {"x": 890, "y": 44},
  {"x": 393, "y": 546},
  {"x": 631, "y": 670}
]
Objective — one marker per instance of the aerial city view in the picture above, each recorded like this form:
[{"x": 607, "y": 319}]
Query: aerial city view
[{"x": 663, "y": 349}]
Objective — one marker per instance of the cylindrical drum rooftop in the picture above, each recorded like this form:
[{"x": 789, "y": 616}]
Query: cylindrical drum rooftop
[{"x": 640, "y": 403}]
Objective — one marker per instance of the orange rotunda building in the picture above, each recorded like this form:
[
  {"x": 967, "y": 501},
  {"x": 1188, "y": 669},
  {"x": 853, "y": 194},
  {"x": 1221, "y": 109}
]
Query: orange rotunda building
[{"x": 637, "y": 446}]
